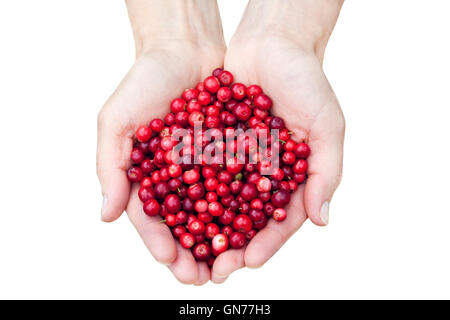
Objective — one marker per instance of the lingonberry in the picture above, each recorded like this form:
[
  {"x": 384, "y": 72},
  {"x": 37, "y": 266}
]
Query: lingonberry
[
  {"x": 239, "y": 91},
  {"x": 205, "y": 217},
  {"x": 204, "y": 98},
  {"x": 253, "y": 91},
  {"x": 196, "y": 227},
  {"x": 237, "y": 180},
  {"x": 224, "y": 94},
  {"x": 262, "y": 101},
  {"x": 227, "y": 217},
  {"x": 151, "y": 207},
  {"x": 135, "y": 174},
  {"x": 242, "y": 223},
  {"x": 225, "y": 78},
  {"x": 146, "y": 194},
  {"x": 211, "y": 230},
  {"x": 190, "y": 94},
  {"x": 172, "y": 203},
  {"x": 178, "y": 230},
  {"x": 215, "y": 209},
  {"x": 227, "y": 230},
  {"x": 280, "y": 198},
  {"x": 279, "y": 214},
  {"x": 202, "y": 251},
  {"x": 157, "y": 125},
  {"x": 216, "y": 72},
  {"x": 191, "y": 176},
  {"x": 211, "y": 84},
  {"x": 219, "y": 244},
  {"x": 237, "y": 240},
  {"x": 242, "y": 112},
  {"x": 143, "y": 134},
  {"x": 300, "y": 166},
  {"x": 137, "y": 156},
  {"x": 196, "y": 191},
  {"x": 302, "y": 150},
  {"x": 187, "y": 240},
  {"x": 249, "y": 192}
]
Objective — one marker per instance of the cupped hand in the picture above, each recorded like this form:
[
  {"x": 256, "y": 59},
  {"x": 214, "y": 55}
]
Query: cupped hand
[
  {"x": 293, "y": 77},
  {"x": 157, "y": 77}
]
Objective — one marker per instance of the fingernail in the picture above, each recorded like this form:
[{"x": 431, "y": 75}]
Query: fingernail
[
  {"x": 324, "y": 212},
  {"x": 105, "y": 200}
]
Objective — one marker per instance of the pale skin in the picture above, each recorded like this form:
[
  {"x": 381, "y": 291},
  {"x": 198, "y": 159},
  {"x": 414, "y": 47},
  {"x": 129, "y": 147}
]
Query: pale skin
[{"x": 279, "y": 45}]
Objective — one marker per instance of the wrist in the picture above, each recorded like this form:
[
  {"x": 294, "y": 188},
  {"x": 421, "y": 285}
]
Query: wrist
[
  {"x": 166, "y": 24},
  {"x": 308, "y": 23}
]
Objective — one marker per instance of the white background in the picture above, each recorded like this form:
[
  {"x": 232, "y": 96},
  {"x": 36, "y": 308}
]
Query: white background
[{"x": 389, "y": 63}]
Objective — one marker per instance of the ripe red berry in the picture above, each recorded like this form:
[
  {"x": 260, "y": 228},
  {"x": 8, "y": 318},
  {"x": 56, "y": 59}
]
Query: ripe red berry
[
  {"x": 143, "y": 133},
  {"x": 302, "y": 150},
  {"x": 151, "y": 207},
  {"x": 279, "y": 214},
  {"x": 187, "y": 240},
  {"x": 300, "y": 166},
  {"x": 263, "y": 102},
  {"x": 219, "y": 244},
  {"x": 211, "y": 230},
  {"x": 253, "y": 91},
  {"x": 225, "y": 78},
  {"x": 196, "y": 227},
  {"x": 242, "y": 223},
  {"x": 211, "y": 84},
  {"x": 239, "y": 91},
  {"x": 237, "y": 240},
  {"x": 135, "y": 174},
  {"x": 202, "y": 252}
]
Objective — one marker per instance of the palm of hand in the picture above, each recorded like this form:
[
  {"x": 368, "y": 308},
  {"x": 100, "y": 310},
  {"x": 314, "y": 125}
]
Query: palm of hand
[{"x": 294, "y": 79}]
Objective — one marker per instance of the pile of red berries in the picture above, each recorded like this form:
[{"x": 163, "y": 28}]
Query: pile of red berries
[{"x": 217, "y": 194}]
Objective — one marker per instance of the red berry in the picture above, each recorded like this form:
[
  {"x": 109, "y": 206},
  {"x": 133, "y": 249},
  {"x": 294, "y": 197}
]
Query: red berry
[
  {"x": 146, "y": 194},
  {"x": 143, "y": 133},
  {"x": 201, "y": 205},
  {"x": 135, "y": 174},
  {"x": 242, "y": 112},
  {"x": 239, "y": 91},
  {"x": 196, "y": 227},
  {"x": 224, "y": 94},
  {"x": 242, "y": 223},
  {"x": 202, "y": 252},
  {"x": 219, "y": 244},
  {"x": 263, "y": 102},
  {"x": 151, "y": 207},
  {"x": 137, "y": 156},
  {"x": 280, "y": 198},
  {"x": 157, "y": 125},
  {"x": 172, "y": 203},
  {"x": 215, "y": 209},
  {"x": 187, "y": 240},
  {"x": 237, "y": 240},
  {"x": 253, "y": 91},
  {"x": 225, "y": 78},
  {"x": 300, "y": 166},
  {"x": 279, "y": 214},
  {"x": 190, "y": 94},
  {"x": 212, "y": 229},
  {"x": 211, "y": 84},
  {"x": 263, "y": 184},
  {"x": 302, "y": 150}
]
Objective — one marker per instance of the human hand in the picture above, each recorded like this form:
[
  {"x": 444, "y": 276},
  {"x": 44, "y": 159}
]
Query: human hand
[
  {"x": 285, "y": 59},
  {"x": 172, "y": 55}
]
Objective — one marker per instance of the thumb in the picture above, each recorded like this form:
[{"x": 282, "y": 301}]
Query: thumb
[
  {"x": 325, "y": 165},
  {"x": 112, "y": 164}
]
